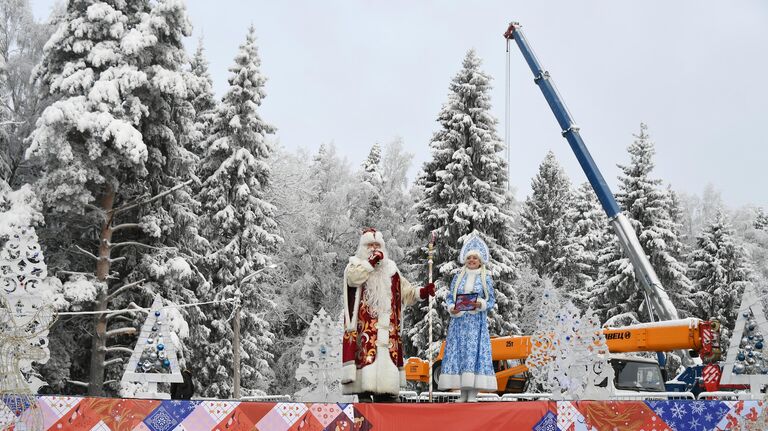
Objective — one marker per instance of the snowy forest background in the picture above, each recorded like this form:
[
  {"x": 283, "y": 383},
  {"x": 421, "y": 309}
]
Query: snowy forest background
[{"x": 139, "y": 181}]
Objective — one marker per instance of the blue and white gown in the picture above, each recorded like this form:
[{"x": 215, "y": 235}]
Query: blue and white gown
[{"x": 467, "y": 360}]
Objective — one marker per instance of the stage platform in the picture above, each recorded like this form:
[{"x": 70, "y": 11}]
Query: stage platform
[{"x": 54, "y": 413}]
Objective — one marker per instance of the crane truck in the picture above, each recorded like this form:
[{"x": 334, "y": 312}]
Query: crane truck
[{"x": 631, "y": 373}]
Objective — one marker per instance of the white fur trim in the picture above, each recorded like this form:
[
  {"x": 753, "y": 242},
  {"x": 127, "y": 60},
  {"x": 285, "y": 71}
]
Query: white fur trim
[
  {"x": 348, "y": 372},
  {"x": 459, "y": 314},
  {"x": 483, "y": 306},
  {"x": 386, "y": 265},
  {"x": 473, "y": 253},
  {"x": 350, "y": 322},
  {"x": 380, "y": 377},
  {"x": 467, "y": 381},
  {"x": 354, "y": 260},
  {"x": 370, "y": 237}
]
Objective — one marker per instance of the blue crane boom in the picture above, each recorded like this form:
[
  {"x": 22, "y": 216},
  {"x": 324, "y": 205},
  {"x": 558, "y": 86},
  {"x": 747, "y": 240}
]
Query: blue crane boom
[{"x": 655, "y": 294}]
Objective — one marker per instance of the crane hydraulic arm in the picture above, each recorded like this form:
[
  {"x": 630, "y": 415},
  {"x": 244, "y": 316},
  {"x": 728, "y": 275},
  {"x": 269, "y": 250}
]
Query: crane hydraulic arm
[{"x": 655, "y": 293}]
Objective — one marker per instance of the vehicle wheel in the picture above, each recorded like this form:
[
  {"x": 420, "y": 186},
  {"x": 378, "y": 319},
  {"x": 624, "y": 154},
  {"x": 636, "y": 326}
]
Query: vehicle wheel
[{"x": 437, "y": 368}]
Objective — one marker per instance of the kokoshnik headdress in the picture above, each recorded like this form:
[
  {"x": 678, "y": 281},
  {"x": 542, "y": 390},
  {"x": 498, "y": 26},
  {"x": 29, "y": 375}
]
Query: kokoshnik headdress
[{"x": 474, "y": 245}]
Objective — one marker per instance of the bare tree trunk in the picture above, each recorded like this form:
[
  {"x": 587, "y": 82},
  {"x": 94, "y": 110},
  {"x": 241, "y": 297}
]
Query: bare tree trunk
[
  {"x": 99, "y": 344},
  {"x": 236, "y": 353}
]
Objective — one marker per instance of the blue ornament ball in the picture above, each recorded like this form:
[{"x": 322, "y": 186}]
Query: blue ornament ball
[
  {"x": 166, "y": 363},
  {"x": 759, "y": 345},
  {"x": 740, "y": 356},
  {"x": 160, "y": 346},
  {"x": 157, "y": 313},
  {"x": 750, "y": 354}
]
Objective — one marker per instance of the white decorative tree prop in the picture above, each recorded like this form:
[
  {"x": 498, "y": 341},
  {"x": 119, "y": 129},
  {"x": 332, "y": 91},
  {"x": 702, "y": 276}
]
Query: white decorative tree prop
[
  {"x": 154, "y": 358},
  {"x": 26, "y": 315},
  {"x": 564, "y": 337},
  {"x": 746, "y": 361},
  {"x": 569, "y": 354},
  {"x": 321, "y": 355},
  {"x": 590, "y": 357},
  {"x": 543, "y": 346}
]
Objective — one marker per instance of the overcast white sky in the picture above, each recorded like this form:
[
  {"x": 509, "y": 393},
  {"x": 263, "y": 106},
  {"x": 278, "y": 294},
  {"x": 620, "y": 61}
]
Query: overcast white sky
[{"x": 361, "y": 72}]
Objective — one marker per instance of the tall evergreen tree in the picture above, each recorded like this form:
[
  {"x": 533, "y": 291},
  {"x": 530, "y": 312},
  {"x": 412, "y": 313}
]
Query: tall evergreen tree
[
  {"x": 588, "y": 227},
  {"x": 761, "y": 220},
  {"x": 371, "y": 189},
  {"x": 203, "y": 100},
  {"x": 617, "y": 296},
  {"x": 240, "y": 227},
  {"x": 464, "y": 190},
  {"x": 677, "y": 216},
  {"x": 110, "y": 143},
  {"x": 720, "y": 270},
  {"x": 546, "y": 238}
]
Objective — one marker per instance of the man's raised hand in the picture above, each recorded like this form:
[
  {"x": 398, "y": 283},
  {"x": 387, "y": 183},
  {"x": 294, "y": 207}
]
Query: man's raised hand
[{"x": 376, "y": 257}]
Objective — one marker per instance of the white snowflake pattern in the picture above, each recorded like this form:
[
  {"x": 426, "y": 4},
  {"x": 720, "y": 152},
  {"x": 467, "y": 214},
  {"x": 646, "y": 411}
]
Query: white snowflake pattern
[
  {"x": 697, "y": 408},
  {"x": 709, "y": 417},
  {"x": 678, "y": 410},
  {"x": 694, "y": 423}
]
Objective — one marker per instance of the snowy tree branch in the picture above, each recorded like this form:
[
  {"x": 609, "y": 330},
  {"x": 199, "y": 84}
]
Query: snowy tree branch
[
  {"x": 135, "y": 308},
  {"x": 112, "y": 362},
  {"x": 86, "y": 252},
  {"x": 120, "y": 331},
  {"x": 138, "y": 244},
  {"x": 125, "y": 226},
  {"x": 154, "y": 198},
  {"x": 74, "y": 273},
  {"x": 79, "y": 383},
  {"x": 120, "y": 349},
  {"x": 123, "y": 288}
]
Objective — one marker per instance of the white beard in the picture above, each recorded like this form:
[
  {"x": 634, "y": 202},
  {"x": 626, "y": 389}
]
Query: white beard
[{"x": 378, "y": 291}]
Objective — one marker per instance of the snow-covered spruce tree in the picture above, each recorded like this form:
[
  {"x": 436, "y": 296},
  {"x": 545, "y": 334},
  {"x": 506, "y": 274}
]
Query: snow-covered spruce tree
[
  {"x": 546, "y": 239},
  {"x": 464, "y": 190},
  {"x": 761, "y": 220},
  {"x": 588, "y": 227},
  {"x": 617, "y": 297},
  {"x": 115, "y": 164},
  {"x": 719, "y": 269},
  {"x": 677, "y": 215},
  {"x": 370, "y": 190},
  {"x": 203, "y": 99},
  {"x": 240, "y": 227}
]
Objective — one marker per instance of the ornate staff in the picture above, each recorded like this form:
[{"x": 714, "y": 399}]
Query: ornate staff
[{"x": 430, "y": 252}]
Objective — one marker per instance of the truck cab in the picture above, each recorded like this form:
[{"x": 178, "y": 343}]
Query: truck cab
[{"x": 634, "y": 375}]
